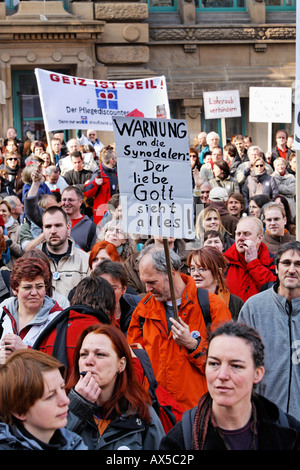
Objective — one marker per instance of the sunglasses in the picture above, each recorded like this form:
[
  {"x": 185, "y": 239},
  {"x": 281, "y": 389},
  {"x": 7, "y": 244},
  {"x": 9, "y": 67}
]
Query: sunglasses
[{"x": 259, "y": 166}]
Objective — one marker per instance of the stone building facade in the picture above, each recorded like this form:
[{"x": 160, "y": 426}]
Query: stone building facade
[{"x": 195, "y": 50}]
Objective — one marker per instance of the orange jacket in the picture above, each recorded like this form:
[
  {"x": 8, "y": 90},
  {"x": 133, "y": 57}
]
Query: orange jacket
[{"x": 181, "y": 373}]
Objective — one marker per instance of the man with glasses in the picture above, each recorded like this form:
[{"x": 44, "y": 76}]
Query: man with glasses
[
  {"x": 90, "y": 139},
  {"x": 275, "y": 314},
  {"x": 83, "y": 231}
]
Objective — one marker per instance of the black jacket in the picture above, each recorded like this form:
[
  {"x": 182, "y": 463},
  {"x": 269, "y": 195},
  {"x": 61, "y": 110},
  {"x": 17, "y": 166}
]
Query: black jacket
[{"x": 273, "y": 433}]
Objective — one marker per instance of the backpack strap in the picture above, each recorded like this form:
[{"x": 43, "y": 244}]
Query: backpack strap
[
  {"x": 144, "y": 359},
  {"x": 202, "y": 295},
  {"x": 187, "y": 423},
  {"x": 90, "y": 237},
  {"x": 282, "y": 419}
]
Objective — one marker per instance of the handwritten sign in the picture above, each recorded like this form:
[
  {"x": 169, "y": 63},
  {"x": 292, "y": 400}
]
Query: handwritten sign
[
  {"x": 155, "y": 178},
  {"x": 222, "y": 104},
  {"x": 270, "y": 104}
]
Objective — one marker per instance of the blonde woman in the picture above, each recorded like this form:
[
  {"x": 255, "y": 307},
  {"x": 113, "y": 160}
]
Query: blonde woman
[{"x": 210, "y": 219}]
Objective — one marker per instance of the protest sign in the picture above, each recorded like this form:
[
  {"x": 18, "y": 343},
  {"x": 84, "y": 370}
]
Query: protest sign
[
  {"x": 79, "y": 103},
  {"x": 222, "y": 104},
  {"x": 155, "y": 178},
  {"x": 270, "y": 104}
]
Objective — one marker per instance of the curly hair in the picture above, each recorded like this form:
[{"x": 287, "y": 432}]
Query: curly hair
[{"x": 28, "y": 269}]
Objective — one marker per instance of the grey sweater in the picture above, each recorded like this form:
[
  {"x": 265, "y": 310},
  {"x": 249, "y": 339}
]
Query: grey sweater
[{"x": 278, "y": 323}]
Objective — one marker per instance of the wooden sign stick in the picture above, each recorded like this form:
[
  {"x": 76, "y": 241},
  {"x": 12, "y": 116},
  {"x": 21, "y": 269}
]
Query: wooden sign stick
[{"x": 169, "y": 269}]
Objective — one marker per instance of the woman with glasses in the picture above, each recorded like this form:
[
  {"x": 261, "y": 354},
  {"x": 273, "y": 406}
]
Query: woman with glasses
[
  {"x": 12, "y": 172},
  {"x": 114, "y": 233},
  {"x": 208, "y": 267},
  {"x": 24, "y": 315},
  {"x": 259, "y": 182}
]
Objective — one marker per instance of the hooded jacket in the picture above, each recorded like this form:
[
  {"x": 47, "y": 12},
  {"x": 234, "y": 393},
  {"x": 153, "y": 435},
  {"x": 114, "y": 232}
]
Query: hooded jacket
[
  {"x": 29, "y": 334},
  {"x": 179, "y": 371},
  {"x": 246, "y": 279},
  {"x": 60, "y": 337},
  {"x": 12, "y": 438},
  {"x": 125, "y": 432},
  {"x": 278, "y": 322}
]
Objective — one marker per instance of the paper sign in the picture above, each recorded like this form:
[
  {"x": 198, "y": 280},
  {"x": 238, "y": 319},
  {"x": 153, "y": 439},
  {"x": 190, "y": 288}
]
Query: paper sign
[
  {"x": 155, "y": 178},
  {"x": 270, "y": 104},
  {"x": 222, "y": 104},
  {"x": 79, "y": 103}
]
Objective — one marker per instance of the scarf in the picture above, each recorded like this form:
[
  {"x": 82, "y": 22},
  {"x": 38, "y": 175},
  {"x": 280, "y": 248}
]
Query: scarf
[{"x": 204, "y": 416}]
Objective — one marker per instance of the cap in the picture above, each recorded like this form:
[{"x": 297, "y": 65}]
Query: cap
[{"x": 218, "y": 194}]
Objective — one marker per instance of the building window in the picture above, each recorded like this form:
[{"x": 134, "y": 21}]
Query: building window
[
  {"x": 12, "y": 4},
  {"x": 221, "y": 5},
  {"x": 162, "y": 5},
  {"x": 275, "y": 5}
]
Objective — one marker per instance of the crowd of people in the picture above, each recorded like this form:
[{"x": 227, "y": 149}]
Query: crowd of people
[{"x": 216, "y": 317}]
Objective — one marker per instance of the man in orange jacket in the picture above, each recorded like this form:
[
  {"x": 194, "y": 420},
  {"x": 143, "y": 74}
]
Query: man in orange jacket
[{"x": 176, "y": 348}]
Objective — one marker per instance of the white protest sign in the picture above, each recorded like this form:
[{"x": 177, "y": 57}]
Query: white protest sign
[
  {"x": 79, "y": 103},
  {"x": 222, "y": 104},
  {"x": 297, "y": 86},
  {"x": 270, "y": 104},
  {"x": 155, "y": 178}
]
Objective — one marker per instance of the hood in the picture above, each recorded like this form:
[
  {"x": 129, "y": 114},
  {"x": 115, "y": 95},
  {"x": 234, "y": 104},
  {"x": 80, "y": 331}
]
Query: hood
[{"x": 49, "y": 305}]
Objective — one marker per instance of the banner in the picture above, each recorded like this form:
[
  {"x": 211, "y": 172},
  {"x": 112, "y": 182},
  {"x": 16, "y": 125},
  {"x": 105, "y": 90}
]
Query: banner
[
  {"x": 222, "y": 104},
  {"x": 155, "y": 176},
  {"x": 79, "y": 103}
]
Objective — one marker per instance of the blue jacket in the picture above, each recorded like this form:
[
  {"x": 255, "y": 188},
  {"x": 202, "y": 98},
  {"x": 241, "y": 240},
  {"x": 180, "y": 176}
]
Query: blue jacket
[{"x": 12, "y": 438}]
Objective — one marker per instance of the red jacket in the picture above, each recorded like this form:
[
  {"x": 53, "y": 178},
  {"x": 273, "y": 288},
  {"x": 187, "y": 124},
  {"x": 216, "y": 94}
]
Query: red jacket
[
  {"x": 101, "y": 194},
  {"x": 60, "y": 337},
  {"x": 246, "y": 279},
  {"x": 180, "y": 373}
]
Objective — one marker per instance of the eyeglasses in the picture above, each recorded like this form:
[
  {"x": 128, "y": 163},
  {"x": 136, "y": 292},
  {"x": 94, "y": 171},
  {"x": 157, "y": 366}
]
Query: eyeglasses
[
  {"x": 116, "y": 288},
  {"x": 195, "y": 269}
]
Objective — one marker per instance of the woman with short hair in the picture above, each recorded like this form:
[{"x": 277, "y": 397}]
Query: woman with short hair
[{"x": 34, "y": 404}]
